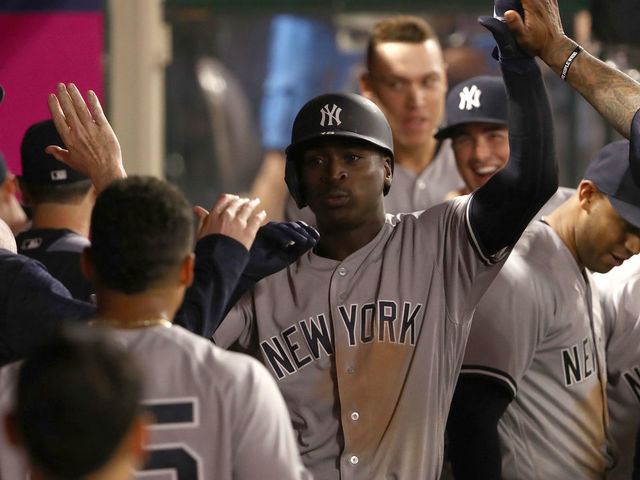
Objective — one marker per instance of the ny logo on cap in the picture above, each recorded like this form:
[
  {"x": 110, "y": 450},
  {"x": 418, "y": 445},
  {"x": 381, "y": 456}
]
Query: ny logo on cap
[
  {"x": 331, "y": 114},
  {"x": 57, "y": 175},
  {"x": 470, "y": 98}
]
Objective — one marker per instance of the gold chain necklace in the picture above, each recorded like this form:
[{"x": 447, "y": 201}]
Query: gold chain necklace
[{"x": 130, "y": 324}]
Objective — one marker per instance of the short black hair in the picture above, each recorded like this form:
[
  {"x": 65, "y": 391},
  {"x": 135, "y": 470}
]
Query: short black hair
[
  {"x": 67, "y": 194},
  {"x": 77, "y": 396},
  {"x": 141, "y": 231}
]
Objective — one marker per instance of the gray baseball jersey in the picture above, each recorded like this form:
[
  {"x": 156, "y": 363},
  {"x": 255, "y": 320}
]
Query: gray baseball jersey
[
  {"x": 539, "y": 331},
  {"x": 218, "y": 414},
  {"x": 622, "y": 326},
  {"x": 410, "y": 191},
  {"x": 366, "y": 351}
]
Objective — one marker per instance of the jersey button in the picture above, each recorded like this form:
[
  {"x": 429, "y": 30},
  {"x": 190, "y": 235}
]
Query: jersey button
[
  {"x": 421, "y": 185},
  {"x": 353, "y": 460},
  {"x": 355, "y": 416},
  {"x": 342, "y": 271}
]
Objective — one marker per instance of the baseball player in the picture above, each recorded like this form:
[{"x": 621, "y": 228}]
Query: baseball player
[
  {"x": 32, "y": 303},
  {"x": 530, "y": 401},
  {"x": 217, "y": 414},
  {"x": 77, "y": 412},
  {"x": 60, "y": 200},
  {"x": 622, "y": 329},
  {"x": 405, "y": 76},
  {"x": 365, "y": 334},
  {"x": 477, "y": 125}
]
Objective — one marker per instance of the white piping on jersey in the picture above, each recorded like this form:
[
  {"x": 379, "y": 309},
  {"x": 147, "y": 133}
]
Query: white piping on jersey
[
  {"x": 492, "y": 373},
  {"x": 487, "y": 260}
]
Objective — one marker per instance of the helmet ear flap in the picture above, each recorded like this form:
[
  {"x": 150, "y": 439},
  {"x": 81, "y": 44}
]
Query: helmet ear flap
[{"x": 292, "y": 179}]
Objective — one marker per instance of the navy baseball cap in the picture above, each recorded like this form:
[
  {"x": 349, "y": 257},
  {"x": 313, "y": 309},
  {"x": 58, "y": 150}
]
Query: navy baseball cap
[
  {"x": 478, "y": 99},
  {"x": 610, "y": 172},
  {"x": 40, "y": 168}
]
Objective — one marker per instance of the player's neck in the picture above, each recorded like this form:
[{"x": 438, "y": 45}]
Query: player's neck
[
  {"x": 139, "y": 309},
  {"x": 55, "y": 216},
  {"x": 563, "y": 221},
  {"x": 338, "y": 242},
  {"x": 415, "y": 159}
]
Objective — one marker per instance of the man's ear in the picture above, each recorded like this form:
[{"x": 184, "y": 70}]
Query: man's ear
[
  {"x": 366, "y": 88},
  {"x": 18, "y": 186},
  {"x": 186, "y": 270},
  {"x": 86, "y": 265},
  {"x": 587, "y": 192},
  {"x": 388, "y": 173}
]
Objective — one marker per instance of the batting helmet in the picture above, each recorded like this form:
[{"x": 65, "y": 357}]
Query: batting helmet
[
  {"x": 340, "y": 115},
  {"x": 478, "y": 99}
]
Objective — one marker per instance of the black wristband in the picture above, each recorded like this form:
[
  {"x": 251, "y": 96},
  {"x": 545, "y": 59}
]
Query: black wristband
[{"x": 567, "y": 64}]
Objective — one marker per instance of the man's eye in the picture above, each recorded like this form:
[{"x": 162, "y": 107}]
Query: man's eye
[
  {"x": 313, "y": 161},
  {"x": 353, "y": 157},
  {"x": 460, "y": 140}
]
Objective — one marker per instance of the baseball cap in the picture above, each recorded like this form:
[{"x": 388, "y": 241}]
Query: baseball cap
[
  {"x": 40, "y": 168},
  {"x": 610, "y": 172},
  {"x": 478, "y": 99}
]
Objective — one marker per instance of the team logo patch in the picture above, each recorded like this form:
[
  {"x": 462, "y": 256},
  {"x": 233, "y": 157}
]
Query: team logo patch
[
  {"x": 470, "y": 98},
  {"x": 57, "y": 175},
  {"x": 330, "y": 115},
  {"x": 31, "y": 243}
]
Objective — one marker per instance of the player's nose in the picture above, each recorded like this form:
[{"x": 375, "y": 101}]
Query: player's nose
[{"x": 336, "y": 169}]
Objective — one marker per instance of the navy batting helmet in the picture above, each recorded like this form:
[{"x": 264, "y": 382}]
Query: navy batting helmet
[
  {"x": 340, "y": 115},
  {"x": 478, "y": 99}
]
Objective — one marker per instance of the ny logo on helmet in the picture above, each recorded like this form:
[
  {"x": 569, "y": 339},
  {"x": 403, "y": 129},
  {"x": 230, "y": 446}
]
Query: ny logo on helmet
[
  {"x": 470, "y": 98},
  {"x": 330, "y": 115}
]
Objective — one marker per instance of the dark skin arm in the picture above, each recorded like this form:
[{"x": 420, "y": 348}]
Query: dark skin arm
[{"x": 613, "y": 94}]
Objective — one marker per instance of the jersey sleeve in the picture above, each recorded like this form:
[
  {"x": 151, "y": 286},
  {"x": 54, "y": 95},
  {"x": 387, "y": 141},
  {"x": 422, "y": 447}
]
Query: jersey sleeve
[
  {"x": 237, "y": 326},
  {"x": 266, "y": 446},
  {"x": 33, "y": 305},
  {"x": 506, "y": 328}
]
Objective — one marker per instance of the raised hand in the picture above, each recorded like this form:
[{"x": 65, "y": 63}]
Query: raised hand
[
  {"x": 238, "y": 218},
  {"x": 92, "y": 146}
]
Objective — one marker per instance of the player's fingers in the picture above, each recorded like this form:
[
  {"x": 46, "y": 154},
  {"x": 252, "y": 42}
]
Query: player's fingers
[
  {"x": 254, "y": 222},
  {"x": 201, "y": 214},
  {"x": 79, "y": 105},
  {"x": 514, "y": 22},
  {"x": 234, "y": 205},
  {"x": 67, "y": 106},
  {"x": 96, "y": 108},
  {"x": 59, "y": 154},
  {"x": 247, "y": 209},
  {"x": 57, "y": 115},
  {"x": 222, "y": 203}
]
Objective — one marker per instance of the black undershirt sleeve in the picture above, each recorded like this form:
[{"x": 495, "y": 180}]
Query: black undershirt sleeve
[
  {"x": 220, "y": 262},
  {"x": 472, "y": 428},
  {"x": 503, "y": 207}
]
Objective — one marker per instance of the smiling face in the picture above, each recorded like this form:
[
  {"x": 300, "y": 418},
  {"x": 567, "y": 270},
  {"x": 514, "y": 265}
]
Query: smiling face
[
  {"x": 408, "y": 82},
  {"x": 481, "y": 150},
  {"x": 343, "y": 181},
  {"x": 603, "y": 238}
]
